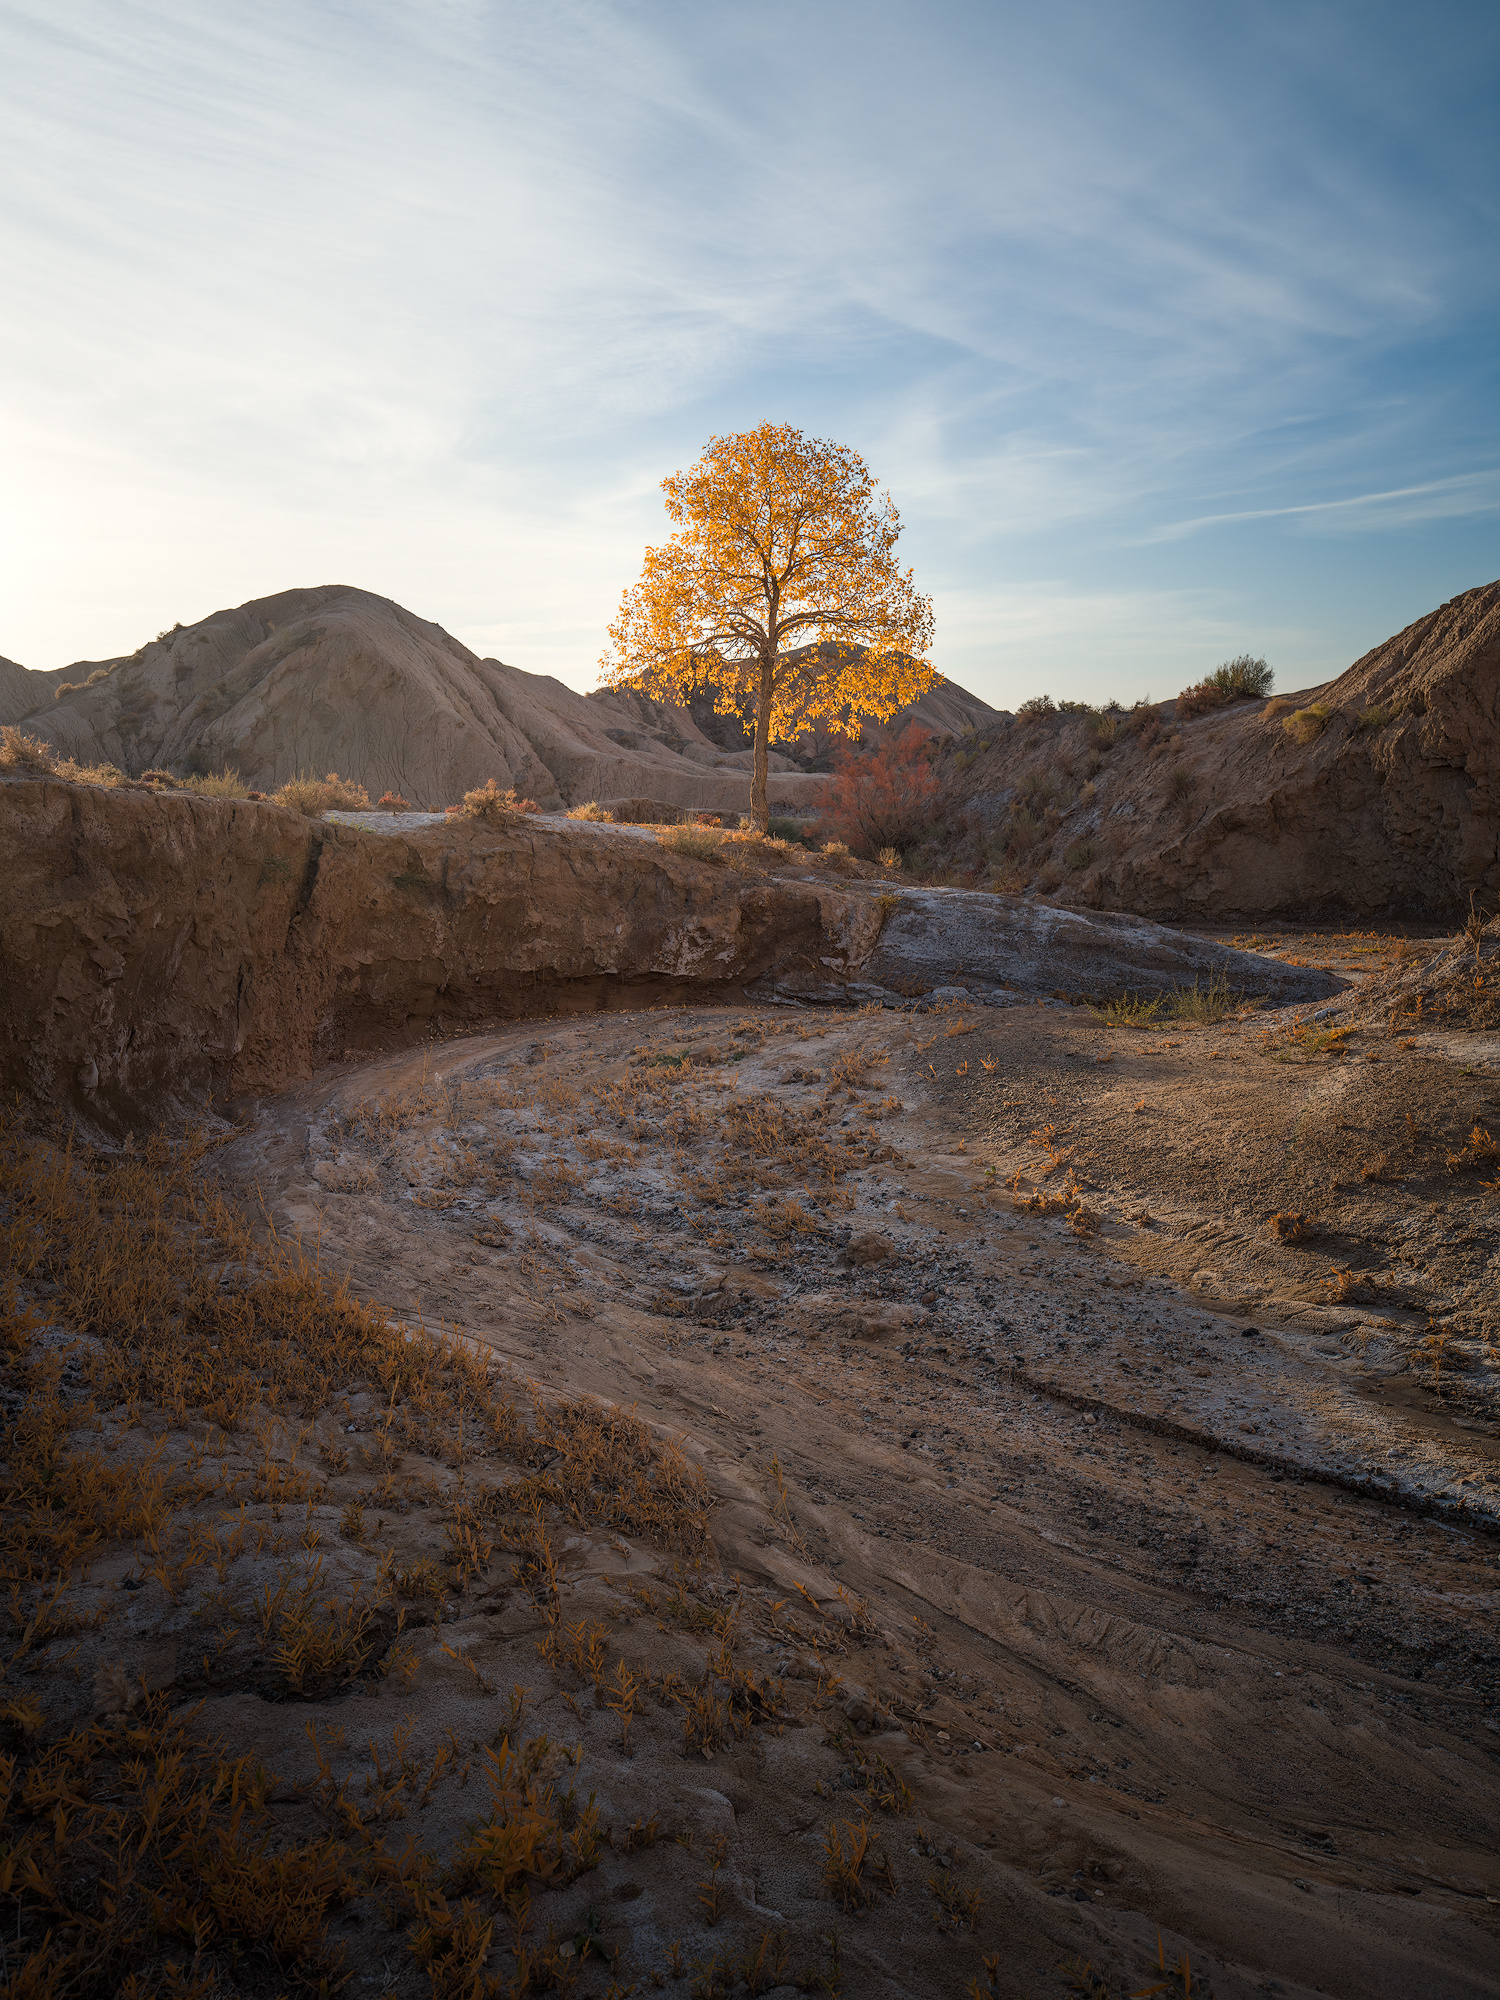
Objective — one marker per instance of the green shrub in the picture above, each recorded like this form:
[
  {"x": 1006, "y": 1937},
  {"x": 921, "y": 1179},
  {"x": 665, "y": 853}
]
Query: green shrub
[
  {"x": 1378, "y": 717},
  {"x": 1243, "y": 678},
  {"x": 781, "y": 826},
  {"x": 1079, "y": 855}
]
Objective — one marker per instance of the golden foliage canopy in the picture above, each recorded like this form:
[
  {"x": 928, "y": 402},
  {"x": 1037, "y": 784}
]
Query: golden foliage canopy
[{"x": 780, "y": 585}]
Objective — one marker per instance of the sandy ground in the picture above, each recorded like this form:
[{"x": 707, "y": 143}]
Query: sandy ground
[{"x": 1154, "y": 1554}]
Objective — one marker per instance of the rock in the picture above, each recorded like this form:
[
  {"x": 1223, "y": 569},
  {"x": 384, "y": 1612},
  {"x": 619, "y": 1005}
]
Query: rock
[
  {"x": 869, "y": 1249},
  {"x": 863, "y": 1713},
  {"x": 1040, "y": 948}
]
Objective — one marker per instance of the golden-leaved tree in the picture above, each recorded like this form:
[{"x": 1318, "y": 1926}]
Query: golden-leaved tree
[{"x": 781, "y": 587}]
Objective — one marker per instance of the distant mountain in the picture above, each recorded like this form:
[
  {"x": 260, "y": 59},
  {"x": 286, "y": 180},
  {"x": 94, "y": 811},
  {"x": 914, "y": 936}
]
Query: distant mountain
[{"x": 336, "y": 678}]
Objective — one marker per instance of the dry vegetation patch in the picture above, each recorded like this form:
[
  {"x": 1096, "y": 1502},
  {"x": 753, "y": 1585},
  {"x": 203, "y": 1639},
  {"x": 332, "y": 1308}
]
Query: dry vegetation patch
[{"x": 234, "y": 1493}]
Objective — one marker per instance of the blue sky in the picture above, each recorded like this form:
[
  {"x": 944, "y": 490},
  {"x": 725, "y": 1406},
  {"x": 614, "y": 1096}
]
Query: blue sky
[{"x": 1172, "y": 330}]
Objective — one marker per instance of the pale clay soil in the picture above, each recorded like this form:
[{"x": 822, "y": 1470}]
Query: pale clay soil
[{"x": 1180, "y": 1634}]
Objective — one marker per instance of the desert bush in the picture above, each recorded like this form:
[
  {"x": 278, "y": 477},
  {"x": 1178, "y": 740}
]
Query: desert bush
[
  {"x": 1024, "y": 831},
  {"x": 1079, "y": 855},
  {"x": 1129, "y": 1010},
  {"x": 74, "y": 773},
  {"x": 782, "y": 826},
  {"x": 73, "y": 687},
  {"x": 20, "y": 752},
  {"x": 1240, "y": 679},
  {"x": 699, "y": 843},
  {"x": 1205, "y": 1003},
  {"x": 1039, "y": 704},
  {"x": 889, "y": 857},
  {"x": 1292, "y": 1227},
  {"x": 226, "y": 784},
  {"x": 1378, "y": 717},
  {"x": 1244, "y": 678},
  {"x": 592, "y": 810},
  {"x": 162, "y": 778},
  {"x": 487, "y": 801},
  {"x": 885, "y": 797},
  {"x": 1200, "y": 700},
  {"x": 1280, "y": 704},
  {"x": 310, "y": 795},
  {"x": 1048, "y": 877},
  {"x": 392, "y": 802},
  {"x": 1307, "y": 724}
]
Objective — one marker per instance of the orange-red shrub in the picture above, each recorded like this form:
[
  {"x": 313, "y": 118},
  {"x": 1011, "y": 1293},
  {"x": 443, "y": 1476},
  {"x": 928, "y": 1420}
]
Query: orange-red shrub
[{"x": 885, "y": 797}]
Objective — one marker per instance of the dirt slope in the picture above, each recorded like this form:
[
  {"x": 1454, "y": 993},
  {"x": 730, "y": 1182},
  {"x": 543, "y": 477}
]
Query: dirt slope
[
  {"x": 22, "y": 689},
  {"x": 1390, "y": 806},
  {"x": 155, "y": 947},
  {"x": 340, "y": 679}
]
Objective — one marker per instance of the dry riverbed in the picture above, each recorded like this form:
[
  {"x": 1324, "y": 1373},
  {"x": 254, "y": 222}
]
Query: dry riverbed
[{"x": 1148, "y": 1553}]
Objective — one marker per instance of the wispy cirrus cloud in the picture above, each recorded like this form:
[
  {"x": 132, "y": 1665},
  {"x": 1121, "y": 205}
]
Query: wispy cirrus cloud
[
  {"x": 429, "y": 299},
  {"x": 1359, "y": 513}
]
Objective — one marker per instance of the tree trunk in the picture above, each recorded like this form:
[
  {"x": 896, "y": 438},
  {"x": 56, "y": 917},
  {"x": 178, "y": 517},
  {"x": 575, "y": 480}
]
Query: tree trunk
[{"x": 760, "y": 805}]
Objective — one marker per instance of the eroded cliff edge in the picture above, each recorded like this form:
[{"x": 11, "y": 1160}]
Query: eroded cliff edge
[{"x": 158, "y": 950}]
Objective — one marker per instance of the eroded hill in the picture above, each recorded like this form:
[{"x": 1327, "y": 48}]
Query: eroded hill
[
  {"x": 340, "y": 679},
  {"x": 1378, "y": 793}
]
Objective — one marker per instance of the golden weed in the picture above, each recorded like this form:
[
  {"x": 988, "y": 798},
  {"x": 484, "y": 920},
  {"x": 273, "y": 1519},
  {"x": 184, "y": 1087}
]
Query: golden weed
[
  {"x": 846, "y": 1857},
  {"x": 624, "y": 1693},
  {"x": 957, "y": 1909},
  {"x": 641, "y": 1833},
  {"x": 1481, "y": 1151}
]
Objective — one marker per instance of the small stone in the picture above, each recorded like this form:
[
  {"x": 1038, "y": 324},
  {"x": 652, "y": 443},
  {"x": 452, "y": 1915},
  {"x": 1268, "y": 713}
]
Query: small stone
[{"x": 929, "y": 1298}]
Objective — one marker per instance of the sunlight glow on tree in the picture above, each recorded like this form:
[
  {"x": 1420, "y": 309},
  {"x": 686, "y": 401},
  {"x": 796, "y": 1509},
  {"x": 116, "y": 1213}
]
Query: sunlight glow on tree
[{"x": 780, "y": 586}]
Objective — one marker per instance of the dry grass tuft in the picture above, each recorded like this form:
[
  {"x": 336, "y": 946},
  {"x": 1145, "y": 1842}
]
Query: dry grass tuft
[
  {"x": 1306, "y": 725},
  {"x": 592, "y": 810},
  {"x": 1479, "y": 1152},
  {"x": 697, "y": 843},
  {"x": 852, "y": 1874},
  {"x": 227, "y": 784}
]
